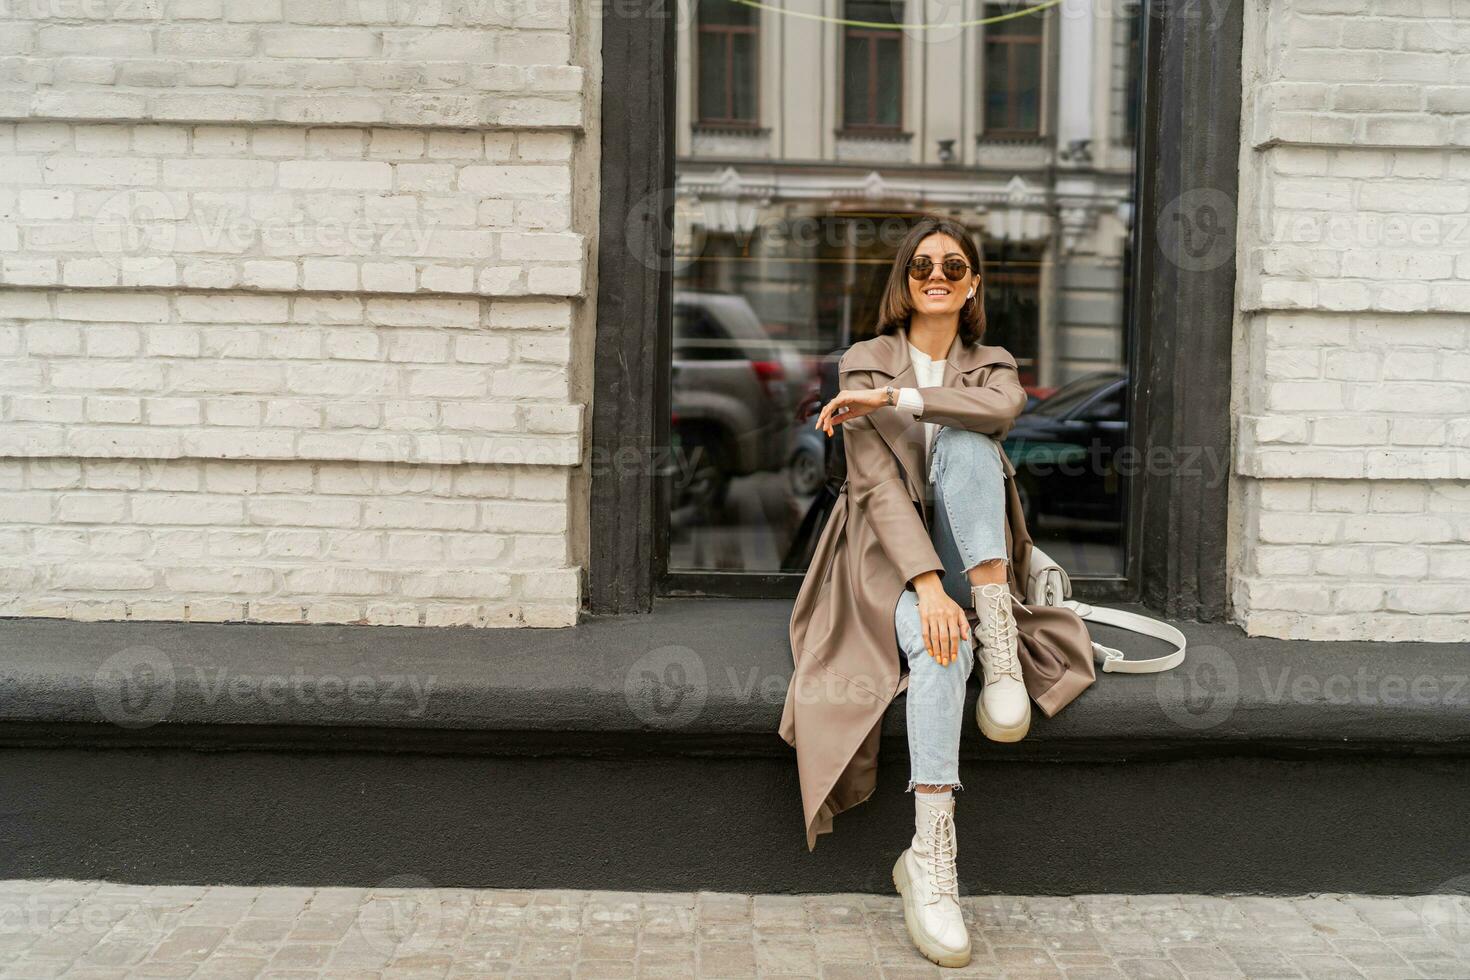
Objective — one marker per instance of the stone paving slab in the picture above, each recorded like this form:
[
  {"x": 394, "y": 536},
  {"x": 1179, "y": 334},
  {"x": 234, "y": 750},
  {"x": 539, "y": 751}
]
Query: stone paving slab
[{"x": 101, "y": 931}]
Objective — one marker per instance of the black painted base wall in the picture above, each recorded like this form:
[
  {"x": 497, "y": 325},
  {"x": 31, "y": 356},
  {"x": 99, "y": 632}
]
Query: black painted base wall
[{"x": 1221, "y": 825}]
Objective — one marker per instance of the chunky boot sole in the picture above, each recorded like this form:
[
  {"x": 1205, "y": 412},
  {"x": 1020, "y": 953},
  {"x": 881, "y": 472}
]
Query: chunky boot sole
[
  {"x": 931, "y": 950},
  {"x": 1000, "y": 733}
]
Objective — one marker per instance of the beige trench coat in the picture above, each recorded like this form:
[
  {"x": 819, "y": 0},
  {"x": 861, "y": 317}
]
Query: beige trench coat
[{"x": 843, "y": 641}]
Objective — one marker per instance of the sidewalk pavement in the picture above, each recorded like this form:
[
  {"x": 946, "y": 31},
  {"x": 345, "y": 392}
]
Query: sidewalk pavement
[{"x": 89, "y": 929}]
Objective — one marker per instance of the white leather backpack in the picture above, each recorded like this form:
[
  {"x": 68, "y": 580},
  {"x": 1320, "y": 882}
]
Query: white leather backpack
[{"x": 1047, "y": 584}]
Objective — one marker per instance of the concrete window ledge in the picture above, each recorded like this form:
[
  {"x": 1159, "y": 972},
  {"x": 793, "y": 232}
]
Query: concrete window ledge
[
  {"x": 600, "y": 756},
  {"x": 698, "y": 675}
]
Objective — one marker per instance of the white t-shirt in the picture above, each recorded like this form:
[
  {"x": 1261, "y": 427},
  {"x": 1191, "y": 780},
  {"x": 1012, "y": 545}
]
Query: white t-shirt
[{"x": 929, "y": 373}]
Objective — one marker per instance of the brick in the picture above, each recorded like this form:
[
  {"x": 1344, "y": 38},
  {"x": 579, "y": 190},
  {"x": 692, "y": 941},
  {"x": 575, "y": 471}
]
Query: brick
[
  {"x": 1330, "y": 497},
  {"x": 529, "y": 179},
  {"x": 298, "y": 42},
  {"x": 1350, "y": 431},
  {"x": 1306, "y": 396}
]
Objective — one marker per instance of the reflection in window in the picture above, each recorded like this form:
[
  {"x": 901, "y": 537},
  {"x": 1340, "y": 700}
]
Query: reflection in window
[
  {"x": 1012, "y": 278},
  {"x": 872, "y": 65},
  {"x": 727, "y": 60},
  {"x": 784, "y": 238},
  {"x": 1012, "y": 62},
  {"x": 1132, "y": 21},
  {"x": 1069, "y": 399}
]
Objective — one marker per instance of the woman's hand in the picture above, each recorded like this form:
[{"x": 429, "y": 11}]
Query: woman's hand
[
  {"x": 849, "y": 405},
  {"x": 941, "y": 619}
]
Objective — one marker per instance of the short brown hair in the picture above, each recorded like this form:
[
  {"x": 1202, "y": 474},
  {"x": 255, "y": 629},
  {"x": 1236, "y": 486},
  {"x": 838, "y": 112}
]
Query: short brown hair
[{"x": 896, "y": 307}]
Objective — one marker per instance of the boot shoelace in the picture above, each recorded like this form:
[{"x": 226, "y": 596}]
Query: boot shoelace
[
  {"x": 943, "y": 873},
  {"x": 1002, "y": 623}
]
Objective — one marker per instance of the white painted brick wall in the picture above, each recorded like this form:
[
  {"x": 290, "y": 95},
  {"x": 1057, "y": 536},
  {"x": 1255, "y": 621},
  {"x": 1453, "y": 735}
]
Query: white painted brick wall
[
  {"x": 1352, "y": 368},
  {"x": 471, "y": 63},
  {"x": 289, "y": 295},
  {"x": 377, "y": 211},
  {"x": 1362, "y": 73}
]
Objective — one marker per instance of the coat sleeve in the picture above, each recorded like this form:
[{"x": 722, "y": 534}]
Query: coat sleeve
[
  {"x": 990, "y": 408},
  {"x": 876, "y": 488}
]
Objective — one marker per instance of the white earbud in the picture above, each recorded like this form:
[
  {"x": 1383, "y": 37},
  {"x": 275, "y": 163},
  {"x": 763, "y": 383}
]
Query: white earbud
[{"x": 970, "y": 294}]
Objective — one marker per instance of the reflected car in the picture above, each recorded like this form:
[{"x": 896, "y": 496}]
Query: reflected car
[
  {"x": 811, "y": 461},
  {"x": 734, "y": 393},
  {"x": 1063, "y": 447}
]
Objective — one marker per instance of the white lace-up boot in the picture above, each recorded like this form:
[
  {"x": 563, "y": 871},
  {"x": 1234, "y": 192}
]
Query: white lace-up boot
[
  {"x": 1004, "y": 707},
  {"x": 927, "y": 877}
]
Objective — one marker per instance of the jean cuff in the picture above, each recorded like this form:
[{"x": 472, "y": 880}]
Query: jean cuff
[{"x": 951, "y": 783}]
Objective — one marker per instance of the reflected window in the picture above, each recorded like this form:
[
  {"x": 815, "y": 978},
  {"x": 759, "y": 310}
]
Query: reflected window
[
  {"x": 727, "y": 61},
  {"x": 1013, "y": 301},
  {"x": 872, "y": 58},
  {"x": 1012, "y": 61},
  {"x": 1071, "y": 398}
]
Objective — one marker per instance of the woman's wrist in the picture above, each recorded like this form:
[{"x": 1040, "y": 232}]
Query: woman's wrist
[{"x": 927, "y": 582}]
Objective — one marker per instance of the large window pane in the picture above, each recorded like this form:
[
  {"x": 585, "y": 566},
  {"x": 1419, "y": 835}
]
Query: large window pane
[
  {"x": 743, "y": 75},
  {"x": 997, "y": 86},
  {"x": 890, "y": 82},
  {"x": 1026, "y": 94},
  {"x": 783, "y": 245},
  {"x": 857, "y": 82},
  {"x": 714, "y": 73}
]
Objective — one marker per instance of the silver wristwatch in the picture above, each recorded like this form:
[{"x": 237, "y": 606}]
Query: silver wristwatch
[{"x": 891, "y": 394}]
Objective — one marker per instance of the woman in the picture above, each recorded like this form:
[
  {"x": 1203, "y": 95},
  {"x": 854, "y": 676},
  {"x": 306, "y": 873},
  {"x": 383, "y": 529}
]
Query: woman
[{"x": 924, "y": 554}]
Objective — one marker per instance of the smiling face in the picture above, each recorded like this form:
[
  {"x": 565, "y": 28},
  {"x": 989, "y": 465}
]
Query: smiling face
[{"x": 937, "y": 295}]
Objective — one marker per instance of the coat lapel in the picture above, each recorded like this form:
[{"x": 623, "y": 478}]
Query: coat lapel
[
  {"x": 903, "y": 433},
  {"x": 889, "y": 360}
]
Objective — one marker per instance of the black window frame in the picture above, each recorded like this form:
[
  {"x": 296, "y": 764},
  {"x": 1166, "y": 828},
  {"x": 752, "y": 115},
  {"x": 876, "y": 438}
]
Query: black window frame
[{"x": 1178, "y": 318}]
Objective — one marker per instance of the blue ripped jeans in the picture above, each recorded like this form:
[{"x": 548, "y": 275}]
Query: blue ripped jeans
[{"x": 967, "y": 481}]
